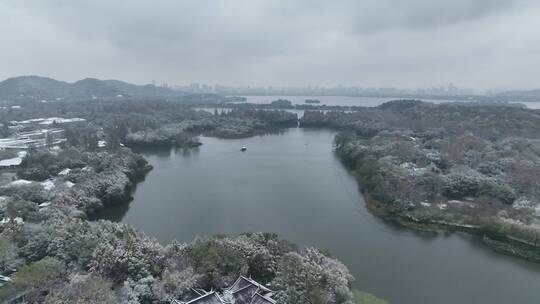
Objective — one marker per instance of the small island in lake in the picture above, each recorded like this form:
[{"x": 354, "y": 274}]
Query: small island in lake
[
  {"x": 235, "y": 99},
  {"x": 281, "y": 103}
]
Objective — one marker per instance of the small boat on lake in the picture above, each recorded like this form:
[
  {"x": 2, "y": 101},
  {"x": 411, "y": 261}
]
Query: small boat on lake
[{"x": 243, "y": 148}]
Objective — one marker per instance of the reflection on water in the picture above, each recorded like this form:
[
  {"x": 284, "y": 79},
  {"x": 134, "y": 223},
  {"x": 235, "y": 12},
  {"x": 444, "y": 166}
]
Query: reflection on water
[{"x": 293, "y": 184}]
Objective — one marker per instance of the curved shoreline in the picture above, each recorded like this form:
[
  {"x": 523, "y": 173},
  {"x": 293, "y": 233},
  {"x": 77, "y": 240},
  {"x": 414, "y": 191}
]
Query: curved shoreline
[{"x": 503, "y": 244}]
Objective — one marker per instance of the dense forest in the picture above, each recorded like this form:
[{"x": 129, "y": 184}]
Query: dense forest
[{"x": 450, "y": 166}]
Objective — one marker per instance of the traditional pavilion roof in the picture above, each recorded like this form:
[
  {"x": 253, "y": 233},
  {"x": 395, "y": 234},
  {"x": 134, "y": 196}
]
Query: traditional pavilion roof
[
  {"x": 243, "y": 290},
  {"x": 245, "y": 294},
  {"x": 208, "y": 298},
  {"x": 242, "y": 282},
  {"x": 260, "y": 299}
]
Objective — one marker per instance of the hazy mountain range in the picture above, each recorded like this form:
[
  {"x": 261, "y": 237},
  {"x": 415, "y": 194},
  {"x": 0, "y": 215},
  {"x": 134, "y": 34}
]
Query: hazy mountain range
[
  {"x": 43, "y": 87},
  {"x": 46, "y": 88}
]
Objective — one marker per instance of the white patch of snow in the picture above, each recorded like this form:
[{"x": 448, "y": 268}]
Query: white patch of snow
[
  {"x": 64, "y": 172},
  {"x": 20, "y": 182},
  {"x": 43, "y": 205},
  {"x": 60, "y": 120},
  {"x": 407, "y": 165},
  {"x": 16, "y": 161},
  {"x": 48, "y": 184},
  {"x": 102, "y": 143},
  {"x": 69, "y": 184},
  {"x": 16, "y": 220},
  {"x": 425, "y": 204},
  {"x": 523, "y": 202},
  {"x": 442, "y": 206},
  {"x": 48, "y": 121}
]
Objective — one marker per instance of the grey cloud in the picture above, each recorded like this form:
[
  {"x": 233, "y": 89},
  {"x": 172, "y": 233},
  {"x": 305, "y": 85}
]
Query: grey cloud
[
  {"x": 279, "y": 42},
  {"x": 421, "y": 14}
]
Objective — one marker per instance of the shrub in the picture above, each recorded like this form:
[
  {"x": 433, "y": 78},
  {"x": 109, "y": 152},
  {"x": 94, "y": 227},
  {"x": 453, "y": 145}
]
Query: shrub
[
  {"x": 83, "y": 289},
  {"x": 459, "y": 184},
  {"x": 34, "y": 280},
  {"x": 124, "y": 254},
  {"x": 218, "y": 260},
  {"x": 322, "y": 279},
  {"x": 8, "y": 255}
]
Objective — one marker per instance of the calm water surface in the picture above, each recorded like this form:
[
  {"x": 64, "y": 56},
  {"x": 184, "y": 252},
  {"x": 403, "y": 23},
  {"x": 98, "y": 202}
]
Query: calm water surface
[
  {"x": 357, "y": 100},
  {"x": 331, "y": 100},
  {"x": 294, "y": 185}
]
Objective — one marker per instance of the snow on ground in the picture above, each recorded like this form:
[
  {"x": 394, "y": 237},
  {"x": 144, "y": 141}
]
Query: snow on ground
[
  {"x": 425, "y": 204},
  {"x": 19, "y": 182},
  {"x": 48, "y": 184},
  {"x": 69, "y": 184},
  {"x": 48, "y": 121},
  {"x": 64, "y": 172},
  {"x": 59, "y": 120},
  {"x": 442, "y": 206},
  {"x": 3, "y": 280},
  {"x": 16, "y": 161},
  {"x": 523, "y": 202},
  {"x": 17, "y": 220}
]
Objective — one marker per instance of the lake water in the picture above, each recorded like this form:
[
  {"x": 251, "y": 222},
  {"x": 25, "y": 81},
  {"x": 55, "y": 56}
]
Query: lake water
[
  {"x": 331, "y": 100},
  {"x": 294, "y": 185}
]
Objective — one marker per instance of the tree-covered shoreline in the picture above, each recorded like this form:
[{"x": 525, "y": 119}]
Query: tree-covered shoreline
[{"x": 447, "y": 167}]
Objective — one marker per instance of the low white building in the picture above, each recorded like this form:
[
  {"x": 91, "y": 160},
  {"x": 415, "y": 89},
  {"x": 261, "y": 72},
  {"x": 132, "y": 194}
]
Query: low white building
[
  {"x": 46, "y": 121},
  {"x": 33, "y": 139}
]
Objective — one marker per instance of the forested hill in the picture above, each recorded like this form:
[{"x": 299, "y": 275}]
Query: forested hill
[{"x": 43, "y": 87}]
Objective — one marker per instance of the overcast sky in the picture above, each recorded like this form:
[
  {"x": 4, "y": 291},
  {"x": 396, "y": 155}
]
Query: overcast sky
[{"x": 414, "y": 43}]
